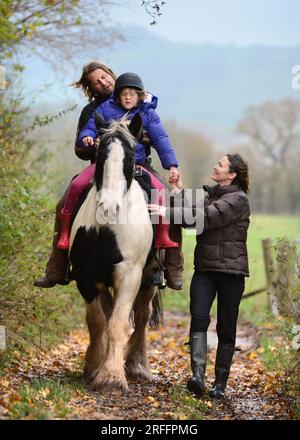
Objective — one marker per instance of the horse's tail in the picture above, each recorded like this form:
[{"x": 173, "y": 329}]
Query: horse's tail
[{"x": 157, "y": 316}]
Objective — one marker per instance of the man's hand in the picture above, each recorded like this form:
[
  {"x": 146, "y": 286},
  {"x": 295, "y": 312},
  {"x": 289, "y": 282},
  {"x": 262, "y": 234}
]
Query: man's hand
[{"x": 88, "y": 141}]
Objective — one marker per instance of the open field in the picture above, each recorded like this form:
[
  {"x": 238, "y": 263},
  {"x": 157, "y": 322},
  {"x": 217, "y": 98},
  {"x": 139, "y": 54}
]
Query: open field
[{"x": 254, "y": 309}]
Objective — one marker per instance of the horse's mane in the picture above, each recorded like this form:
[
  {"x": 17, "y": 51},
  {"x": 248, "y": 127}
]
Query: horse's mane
[
  {"x": 116, "y": 129},
  {"x": 119, "y": 128}
]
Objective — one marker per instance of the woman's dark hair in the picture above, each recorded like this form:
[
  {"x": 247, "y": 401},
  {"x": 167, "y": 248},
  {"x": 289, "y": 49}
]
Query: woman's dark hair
[
  {"x": 84, "y": 84},
  {"x": 239, "y": 166}
]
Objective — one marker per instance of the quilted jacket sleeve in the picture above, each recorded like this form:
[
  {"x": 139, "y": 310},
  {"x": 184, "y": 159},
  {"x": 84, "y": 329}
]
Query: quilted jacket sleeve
[
  {"x": 161, "y": 141},
  {"x": 89, "y": 129},
  {"x": 226, "y": 210},
  {"x": 222, "y": 212}
]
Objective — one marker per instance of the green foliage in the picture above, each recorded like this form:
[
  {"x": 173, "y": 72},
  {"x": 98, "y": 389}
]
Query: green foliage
[
  {"x": 190, "y": 407},
  {"x": 255, "y": 309},
  {"x": 288, "y": 287},
  {"x": 32, "y": 317},
  {"x": 19, "y": 20},
  {"x": 41, "y": 121},
  {"x": 282, "y": 346},
  {"x": 279, "y": 356},
  {"x": 54, "y": 27},
  {"x": 42, "y": 400}
]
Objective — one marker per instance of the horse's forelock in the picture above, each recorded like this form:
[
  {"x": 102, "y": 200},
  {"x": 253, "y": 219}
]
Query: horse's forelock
[{"x": 118, "y": 129}]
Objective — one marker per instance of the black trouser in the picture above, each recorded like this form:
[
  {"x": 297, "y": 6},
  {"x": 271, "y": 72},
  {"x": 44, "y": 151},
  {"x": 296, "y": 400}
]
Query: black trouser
[{"x": 204, "y": 287}]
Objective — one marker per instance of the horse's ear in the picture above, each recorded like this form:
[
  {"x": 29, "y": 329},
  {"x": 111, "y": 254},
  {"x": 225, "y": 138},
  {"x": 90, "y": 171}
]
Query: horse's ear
[
  {"x": 99, "y": 121},
  {"x": 136, "y": 125}
]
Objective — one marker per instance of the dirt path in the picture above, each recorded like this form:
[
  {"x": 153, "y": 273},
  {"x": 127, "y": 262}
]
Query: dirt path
[{"x": 253, "y": 392}]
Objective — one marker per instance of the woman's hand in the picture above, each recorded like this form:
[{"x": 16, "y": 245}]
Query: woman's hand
[
  {"x": 174, "y": 175},
  {"x": 88, "y": 141},
  {"x": 156, "y": 209}
]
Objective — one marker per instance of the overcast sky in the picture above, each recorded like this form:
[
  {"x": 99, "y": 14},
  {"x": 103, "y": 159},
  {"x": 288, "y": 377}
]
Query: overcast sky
[{"x": 241, "y": 22}]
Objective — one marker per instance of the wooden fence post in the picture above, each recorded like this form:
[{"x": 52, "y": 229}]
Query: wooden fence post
[{"x": 270, "y": 275}]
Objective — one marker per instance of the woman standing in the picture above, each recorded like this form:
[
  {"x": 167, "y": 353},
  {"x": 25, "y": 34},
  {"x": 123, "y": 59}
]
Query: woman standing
[{"x": 221, "y": 264}]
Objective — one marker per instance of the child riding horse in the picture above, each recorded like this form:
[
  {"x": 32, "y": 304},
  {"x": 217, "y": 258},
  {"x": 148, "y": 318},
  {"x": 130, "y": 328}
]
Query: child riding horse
[{"x": 129, "y": 99}]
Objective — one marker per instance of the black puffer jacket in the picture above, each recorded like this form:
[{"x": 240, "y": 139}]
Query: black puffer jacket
[
  {"x": 87, "y": 153},
  {"x": 221, "y": 247}
]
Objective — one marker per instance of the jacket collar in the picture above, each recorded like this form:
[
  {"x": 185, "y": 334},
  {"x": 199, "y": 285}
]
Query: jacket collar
[
  {"x": 149, "y": 102},
  {"x": 218, "y": 190},
  {"x": 99, "y": 99}
]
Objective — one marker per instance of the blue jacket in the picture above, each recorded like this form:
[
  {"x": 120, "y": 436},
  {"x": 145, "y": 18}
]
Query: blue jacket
[{"x": 110, "y": 110}]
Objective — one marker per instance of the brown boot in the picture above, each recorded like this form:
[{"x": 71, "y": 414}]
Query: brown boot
[
  {"x": 58, "y": 263},
  {"x": 46, "y": 282},
  {"x": 174, "y": 260}
]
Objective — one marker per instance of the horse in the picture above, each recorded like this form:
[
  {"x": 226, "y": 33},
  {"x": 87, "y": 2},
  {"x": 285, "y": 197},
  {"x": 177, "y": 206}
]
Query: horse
[{"x": 108, "y": 259}]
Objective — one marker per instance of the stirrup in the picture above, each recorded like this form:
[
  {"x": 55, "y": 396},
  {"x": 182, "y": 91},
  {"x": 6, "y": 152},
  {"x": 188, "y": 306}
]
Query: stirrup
[{"x": 159, "y": 279}]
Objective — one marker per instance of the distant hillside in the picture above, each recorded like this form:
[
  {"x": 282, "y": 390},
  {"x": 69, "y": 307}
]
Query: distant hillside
[{"x": 205, "y": 86}]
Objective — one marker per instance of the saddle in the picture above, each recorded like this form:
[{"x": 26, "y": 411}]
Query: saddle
[{"x": 144, "y": 180}]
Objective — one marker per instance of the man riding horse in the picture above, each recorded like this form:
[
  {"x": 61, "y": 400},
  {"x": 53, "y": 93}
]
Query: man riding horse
[{"x": 97, "y": 82}]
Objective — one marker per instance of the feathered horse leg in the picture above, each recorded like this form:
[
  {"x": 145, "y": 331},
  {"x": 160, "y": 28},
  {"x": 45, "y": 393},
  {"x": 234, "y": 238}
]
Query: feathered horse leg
[
  {"x": 111, "y": 373},
  {"x": 137, "y": 365},
  {"x": 97, "y": 322}
]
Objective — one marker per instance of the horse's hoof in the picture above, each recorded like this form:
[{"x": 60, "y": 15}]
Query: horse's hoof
[
  {"x": 109, "y": 385},
  {"x": 140, "y": 374},
  {"x": 86, "y": 377},
  {"x": 104, "y": 388},
  {"x": 89, "y": 373}
]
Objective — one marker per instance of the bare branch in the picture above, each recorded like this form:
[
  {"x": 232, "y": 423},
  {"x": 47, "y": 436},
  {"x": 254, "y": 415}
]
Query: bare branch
[
  {"x": 153, "y": 8},
  {"x": 43, "y": 25},
  {"x": 273, "y": 127}
]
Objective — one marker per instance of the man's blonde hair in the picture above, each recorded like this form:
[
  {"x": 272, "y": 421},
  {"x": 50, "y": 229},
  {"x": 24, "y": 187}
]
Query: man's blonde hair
[{"x": 84, "y": 84}]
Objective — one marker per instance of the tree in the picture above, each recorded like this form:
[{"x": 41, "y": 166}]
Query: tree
[
  {"x": 273, "y": 129},
  {"x": 50, "y": 27}
]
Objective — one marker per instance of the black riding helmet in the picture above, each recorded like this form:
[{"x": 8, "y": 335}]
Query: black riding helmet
[{"x": 128, "y": 80}]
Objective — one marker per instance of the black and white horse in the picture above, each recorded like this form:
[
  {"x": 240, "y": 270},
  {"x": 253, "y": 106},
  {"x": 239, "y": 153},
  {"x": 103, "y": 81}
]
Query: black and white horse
[{"x": 109, "y": 244}]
